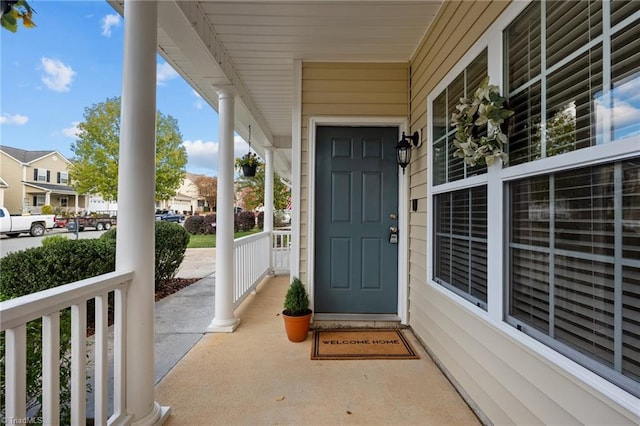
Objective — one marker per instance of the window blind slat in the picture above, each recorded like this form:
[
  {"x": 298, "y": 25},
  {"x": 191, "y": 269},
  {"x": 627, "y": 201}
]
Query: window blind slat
[
  {"x": 622, "y": 9},
  {"x": 571, "y": 25}
]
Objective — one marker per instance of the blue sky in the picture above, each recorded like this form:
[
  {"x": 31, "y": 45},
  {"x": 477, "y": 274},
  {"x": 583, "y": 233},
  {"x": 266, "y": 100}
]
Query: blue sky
[{"x": 72, "y": 60}]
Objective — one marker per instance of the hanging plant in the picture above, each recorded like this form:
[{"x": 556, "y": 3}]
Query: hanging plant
[
  {"x": 486, "y": 106},
  {"x": 249, "y": 162}
]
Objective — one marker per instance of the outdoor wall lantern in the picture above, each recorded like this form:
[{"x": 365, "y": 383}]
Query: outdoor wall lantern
[{"x": 403, "y": 149}]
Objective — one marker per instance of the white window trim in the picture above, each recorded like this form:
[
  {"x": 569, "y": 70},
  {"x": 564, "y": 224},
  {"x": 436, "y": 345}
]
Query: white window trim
[
  {"x": 496, "y": 177},
  {"x": 403, "y": 203},
  {"x": 42, "y": 173}
]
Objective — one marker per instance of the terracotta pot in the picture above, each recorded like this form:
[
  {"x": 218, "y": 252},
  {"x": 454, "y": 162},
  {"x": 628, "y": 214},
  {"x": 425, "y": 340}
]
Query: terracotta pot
[
  {"x": 297, "y": 327},
  {"x": 249, "y": 171}
]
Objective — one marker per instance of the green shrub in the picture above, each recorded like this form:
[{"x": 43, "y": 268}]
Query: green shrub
[
  {"x": 60, "y": 261},
  {"x": 53, "y": 239},
  {"x": 193, "y": 224},
  {"x": 171, "y": 243},
  {"x": 46, "y": 209},
  {"x": 64, "y": 262}
]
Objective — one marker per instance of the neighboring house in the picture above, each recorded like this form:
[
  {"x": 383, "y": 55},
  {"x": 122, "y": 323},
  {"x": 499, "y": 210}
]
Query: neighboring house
[
  {"x": 187, "y": 199},
  {"x": 37, "y": 178}
]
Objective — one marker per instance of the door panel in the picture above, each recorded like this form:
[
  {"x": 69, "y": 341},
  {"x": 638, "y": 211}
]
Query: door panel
[{"x": 356, "y": 196}]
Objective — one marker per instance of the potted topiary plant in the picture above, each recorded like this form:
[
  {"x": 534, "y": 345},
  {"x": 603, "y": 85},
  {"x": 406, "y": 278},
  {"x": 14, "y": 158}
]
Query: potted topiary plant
[{"x": 296, "y": 313}]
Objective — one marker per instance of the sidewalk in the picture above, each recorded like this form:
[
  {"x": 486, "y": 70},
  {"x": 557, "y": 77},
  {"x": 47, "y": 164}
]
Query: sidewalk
[{"x": 183, "y": 317}]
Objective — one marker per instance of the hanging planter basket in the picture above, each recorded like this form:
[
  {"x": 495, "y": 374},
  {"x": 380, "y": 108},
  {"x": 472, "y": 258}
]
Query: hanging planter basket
[
  {"x": 248, "y": 163},
  {"x": 249, "y": 170}
]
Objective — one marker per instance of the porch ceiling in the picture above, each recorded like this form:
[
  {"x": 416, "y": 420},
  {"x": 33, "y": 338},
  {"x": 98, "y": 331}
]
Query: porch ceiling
[{"x": 250, "y": 46}]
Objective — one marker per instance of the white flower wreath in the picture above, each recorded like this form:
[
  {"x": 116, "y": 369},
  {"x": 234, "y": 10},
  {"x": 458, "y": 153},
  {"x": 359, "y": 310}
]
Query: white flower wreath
[{"x": 485, "y": 106}]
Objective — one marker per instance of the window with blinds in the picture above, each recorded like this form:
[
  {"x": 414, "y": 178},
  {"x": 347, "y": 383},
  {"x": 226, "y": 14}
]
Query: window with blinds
[
  {"x": 587, "y": 101},
  {"x": 574, "y": 251},
  {"x": 572, "y": 72},
  {"x": 446, "y": 167},
  {"x": 460, "y": 256}
]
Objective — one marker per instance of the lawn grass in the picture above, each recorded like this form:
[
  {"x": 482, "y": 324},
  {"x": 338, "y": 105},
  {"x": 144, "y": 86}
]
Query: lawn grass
[{"x": 209, "y": 241}]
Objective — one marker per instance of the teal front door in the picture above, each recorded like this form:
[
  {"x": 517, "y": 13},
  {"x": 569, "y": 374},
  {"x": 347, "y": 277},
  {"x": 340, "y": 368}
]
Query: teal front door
[{"x": 356, "y": 204}]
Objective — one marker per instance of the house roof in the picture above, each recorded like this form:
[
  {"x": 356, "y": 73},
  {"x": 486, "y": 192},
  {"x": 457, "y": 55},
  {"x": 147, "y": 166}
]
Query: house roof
[
  {"x": 26, "y": 157},
  {"x": 250, "y": 46},
  {"x": 50, "y": 187}
]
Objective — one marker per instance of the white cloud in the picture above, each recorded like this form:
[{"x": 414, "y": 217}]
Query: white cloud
[
  {"x": 165, "y": 73},
  {"x": 108, "y": 22},
  {"x": 199, "y": 103},
  {"x": 73, "y": 131},
  {"x": 203, "y": 155},
  {"x": 16, "y": 119},
  {"x": 57, "y": 76}
]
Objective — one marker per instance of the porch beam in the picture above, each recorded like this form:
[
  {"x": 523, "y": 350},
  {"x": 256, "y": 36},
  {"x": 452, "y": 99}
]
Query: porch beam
[
  {"x": 136, "y": 198},
  {"x": 224, "y": 321}
]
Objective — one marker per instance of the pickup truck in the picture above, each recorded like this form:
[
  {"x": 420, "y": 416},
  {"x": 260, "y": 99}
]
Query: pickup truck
[
  {"x": 97, "y": 222},
  {"x": 169, "y": 216},
  {"x": 14, "y": 225}
]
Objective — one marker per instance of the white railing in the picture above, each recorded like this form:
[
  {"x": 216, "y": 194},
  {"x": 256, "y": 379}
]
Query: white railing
[
  {"x": 252, "y": 260},
  {"x": 252, "y": 264},
  {"x": 281, "y": 251},
  {"x": 48, "y": 304}
]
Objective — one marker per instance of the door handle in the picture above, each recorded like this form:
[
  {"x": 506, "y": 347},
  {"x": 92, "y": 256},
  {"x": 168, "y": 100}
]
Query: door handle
[{"x": 393, "y": 235}]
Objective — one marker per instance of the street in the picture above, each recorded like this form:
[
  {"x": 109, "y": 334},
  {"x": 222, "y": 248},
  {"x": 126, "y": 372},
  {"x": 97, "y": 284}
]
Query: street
[{"x": 25, "y": 241}]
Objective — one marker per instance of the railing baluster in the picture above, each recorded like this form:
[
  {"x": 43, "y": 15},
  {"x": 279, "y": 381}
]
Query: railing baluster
[
  {"x": 15, "y": 374},
  {"x": 100, "y": 360},
  {"x": 51, "y": 369},
  {"x": 78, "y": 363},
  {"x": 119, "y": 348}
]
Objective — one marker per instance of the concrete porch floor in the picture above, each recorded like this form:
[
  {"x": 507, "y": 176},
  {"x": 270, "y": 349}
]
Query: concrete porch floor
[{"x": 255, "y": 376}]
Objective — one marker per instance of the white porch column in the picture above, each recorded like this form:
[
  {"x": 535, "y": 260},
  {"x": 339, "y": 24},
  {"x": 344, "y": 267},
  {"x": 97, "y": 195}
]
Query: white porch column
[
  {"x": 75, "y": 210},
  {"x": 224, "y": 320},
  {"x": 47, "y": 198},
  {"x": 136, "y": 194},
  {"x": 268, "y": 200},
  {"x": 268, "y": 190}
]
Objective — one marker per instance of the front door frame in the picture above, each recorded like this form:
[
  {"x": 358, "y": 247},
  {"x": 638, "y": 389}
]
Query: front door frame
[{"x": 403, "y": 204}]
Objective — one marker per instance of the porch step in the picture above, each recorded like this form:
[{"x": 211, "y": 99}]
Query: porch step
[{"x": 326, "y": 324}]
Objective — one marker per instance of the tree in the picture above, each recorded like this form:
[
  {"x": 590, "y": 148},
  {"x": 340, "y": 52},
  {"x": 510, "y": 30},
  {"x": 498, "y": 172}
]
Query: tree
[
  {"x": 208, "y": 188},
  {"x": 12, "y": 11},
  {"x": 94, "y": 169},
  {"x": 252, "y": 189}
]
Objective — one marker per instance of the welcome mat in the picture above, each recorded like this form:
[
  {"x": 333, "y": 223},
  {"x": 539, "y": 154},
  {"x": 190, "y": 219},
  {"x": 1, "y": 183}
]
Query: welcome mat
[{"x": 361, "y": 344}]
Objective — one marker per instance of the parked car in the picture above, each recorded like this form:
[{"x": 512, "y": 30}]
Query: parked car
[
  {"x": 169, "y": 216},
  {"x": 14, "y": 225}
]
